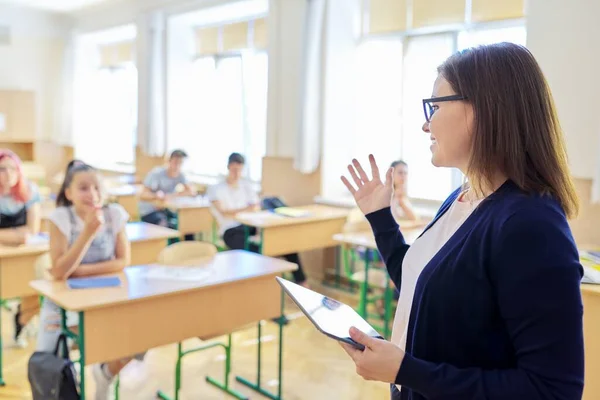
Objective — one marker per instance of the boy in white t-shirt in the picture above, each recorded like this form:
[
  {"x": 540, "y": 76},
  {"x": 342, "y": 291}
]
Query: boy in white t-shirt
[{"x": 235, "y": 195}]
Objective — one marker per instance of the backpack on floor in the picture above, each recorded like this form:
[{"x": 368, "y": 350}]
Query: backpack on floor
[{"x": 52, "y": 376}]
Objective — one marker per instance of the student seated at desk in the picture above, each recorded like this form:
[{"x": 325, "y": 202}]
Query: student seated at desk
[
  {"x": 86, "y": 239},
  {"x": 160, "y": 184},
  {"x": 236, "y": 195},
  {"x": 401, "y": 207},
  {"x": 20, "y": 217}
]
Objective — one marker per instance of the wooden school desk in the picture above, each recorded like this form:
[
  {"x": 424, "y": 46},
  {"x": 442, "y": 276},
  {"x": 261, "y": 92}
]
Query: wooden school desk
[
  {"x": 17, "y": 269},
  {"x": 591, "y": 334},
  {"x": 193, "y": 214},
  {"x": 147, "y": 241},
  {"x": 239, "y": 289},
  {"x": 127, "y": 196},
  {"x": 282, "y": 235}
]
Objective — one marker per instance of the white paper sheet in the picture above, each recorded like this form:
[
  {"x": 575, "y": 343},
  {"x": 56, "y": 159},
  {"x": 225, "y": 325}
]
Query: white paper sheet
[{"x": 178, "y": 273}]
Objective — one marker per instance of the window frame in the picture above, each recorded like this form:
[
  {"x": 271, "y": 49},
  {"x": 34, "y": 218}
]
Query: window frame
[{"x": 457, "y": 178}]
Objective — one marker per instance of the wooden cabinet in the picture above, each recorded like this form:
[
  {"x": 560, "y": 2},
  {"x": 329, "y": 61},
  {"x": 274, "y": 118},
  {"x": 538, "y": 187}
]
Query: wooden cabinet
[
  {"x": 18, "y": 125},
  {"x": 18, "y": 110}
]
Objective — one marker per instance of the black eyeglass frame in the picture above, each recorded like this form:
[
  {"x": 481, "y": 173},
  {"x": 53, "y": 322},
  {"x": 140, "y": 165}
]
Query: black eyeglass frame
[{"x": 426, "y": 103}]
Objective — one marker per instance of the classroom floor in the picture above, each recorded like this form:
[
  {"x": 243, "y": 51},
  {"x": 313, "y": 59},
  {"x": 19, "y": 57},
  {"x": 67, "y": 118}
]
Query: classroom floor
[{"x": 315, "y": 367}]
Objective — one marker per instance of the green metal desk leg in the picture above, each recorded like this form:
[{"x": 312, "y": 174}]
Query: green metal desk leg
[
  {"x": 80, "y": 338},
  {"x": 2, "y": 383},
  {"x": 364, "y": 290},
  {"x": 257, "y": 386},
  {"x": 387, "y": 310},
  {"x": 223, "y": 386}
]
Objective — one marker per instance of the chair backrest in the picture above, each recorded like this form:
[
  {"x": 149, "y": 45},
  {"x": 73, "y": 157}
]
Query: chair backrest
[{"x": 182, "y": 252}]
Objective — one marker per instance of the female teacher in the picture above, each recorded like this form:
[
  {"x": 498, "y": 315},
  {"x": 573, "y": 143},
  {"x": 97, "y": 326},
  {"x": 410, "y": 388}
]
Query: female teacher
[{"x": 490, "y": 305}]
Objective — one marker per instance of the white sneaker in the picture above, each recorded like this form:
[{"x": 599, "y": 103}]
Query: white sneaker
[
  {"x": 102, "y": 382},
  {"x": 20, "y": 342}
]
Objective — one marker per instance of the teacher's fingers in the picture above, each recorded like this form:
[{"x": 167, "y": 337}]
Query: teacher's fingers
[
  {"x": 388, "y": 177},
  {"x": 348, "y": 185},
  {"x": 361, "y": 171},
  {"x": 374, "y": 167},
  {"x": 355, "y": 177},
  {"x": 351, "y": 350}
]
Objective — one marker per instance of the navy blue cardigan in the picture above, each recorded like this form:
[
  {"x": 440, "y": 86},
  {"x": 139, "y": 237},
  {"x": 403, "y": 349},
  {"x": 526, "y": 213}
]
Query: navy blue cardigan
[{"x": 497, "y": 312}]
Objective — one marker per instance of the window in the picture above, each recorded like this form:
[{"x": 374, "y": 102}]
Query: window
[
  {"x": 378, "y": 98},
  {"x": 226, "y": 103},
  {"x": 423, "y": 55},
  {"x": 105, "y": 98},
  {"x": 105, "y": 117},
  {"x": 394, "y": 74},
  {"x": 471, "y": 38}
]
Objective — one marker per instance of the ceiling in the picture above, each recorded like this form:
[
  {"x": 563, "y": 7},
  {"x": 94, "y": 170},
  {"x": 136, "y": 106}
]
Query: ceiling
[{"x": 54, "y": 5}]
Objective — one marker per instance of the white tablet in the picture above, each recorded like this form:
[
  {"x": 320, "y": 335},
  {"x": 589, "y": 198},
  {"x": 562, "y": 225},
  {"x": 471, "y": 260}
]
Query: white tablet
[{"x": 329, "y": 316}]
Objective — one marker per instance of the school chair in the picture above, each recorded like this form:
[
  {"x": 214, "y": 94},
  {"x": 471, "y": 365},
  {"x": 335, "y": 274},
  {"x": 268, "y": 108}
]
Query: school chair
[{"x": 184, "y": 253}]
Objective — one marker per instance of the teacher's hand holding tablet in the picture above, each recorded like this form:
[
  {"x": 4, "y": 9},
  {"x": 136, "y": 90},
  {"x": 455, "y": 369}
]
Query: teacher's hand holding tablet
[{"x": 380, "y": 360}]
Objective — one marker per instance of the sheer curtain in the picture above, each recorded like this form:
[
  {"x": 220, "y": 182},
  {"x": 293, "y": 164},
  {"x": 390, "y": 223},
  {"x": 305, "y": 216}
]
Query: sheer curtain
[
  {"x": 308, "y": 149},
  {"x": 151, "y": 63}
]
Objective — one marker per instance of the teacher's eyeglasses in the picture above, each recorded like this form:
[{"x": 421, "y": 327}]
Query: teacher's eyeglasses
[{"x": 429, "y": 108}]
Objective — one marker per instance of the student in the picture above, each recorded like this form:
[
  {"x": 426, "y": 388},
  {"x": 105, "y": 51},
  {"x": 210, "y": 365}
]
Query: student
[
  {"x": 20, "y": 217},
  {"x": 236, "y": 195},
  {"x": 86, "y": 239},
  {"x": 490, "y": 302},
  {"x": 160, "y": 184},
  {"x": 401, "y": 207}
]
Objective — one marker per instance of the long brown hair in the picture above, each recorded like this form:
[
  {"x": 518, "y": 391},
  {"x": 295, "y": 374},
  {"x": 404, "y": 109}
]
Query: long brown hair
[
  {"x": 516, "y": 126},
  {"x": 73, "y": 169}
]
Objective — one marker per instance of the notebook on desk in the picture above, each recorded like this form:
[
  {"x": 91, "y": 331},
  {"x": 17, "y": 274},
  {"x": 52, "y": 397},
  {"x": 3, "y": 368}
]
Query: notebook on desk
[
  {"x": 292, "y": 212},
  {"x": 96, "y": 282}
]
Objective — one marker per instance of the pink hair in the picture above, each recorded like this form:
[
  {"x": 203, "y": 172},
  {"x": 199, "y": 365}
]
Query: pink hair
[{"x": 20, "y": 191}]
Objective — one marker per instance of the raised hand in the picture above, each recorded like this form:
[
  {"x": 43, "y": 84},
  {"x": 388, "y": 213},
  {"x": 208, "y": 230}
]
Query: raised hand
[{"x": 370, "y": 194}]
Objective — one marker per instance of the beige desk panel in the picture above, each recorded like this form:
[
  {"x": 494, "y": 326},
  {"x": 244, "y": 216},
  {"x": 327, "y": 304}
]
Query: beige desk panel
[{"x": 138, "y": 326}]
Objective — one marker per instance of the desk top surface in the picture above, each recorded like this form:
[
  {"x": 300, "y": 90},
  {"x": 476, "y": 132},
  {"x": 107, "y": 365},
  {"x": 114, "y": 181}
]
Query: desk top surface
[
  {"x": 140, "y": 231},
  {"x": 124, "y": 190},
  {"x": 269, "y": 219},
  {"x": 368, "y": 240},
  {"x": 148, "y": 281},
  {"x": 136, "y": 232},
  {"x": 183, "y": 202}
]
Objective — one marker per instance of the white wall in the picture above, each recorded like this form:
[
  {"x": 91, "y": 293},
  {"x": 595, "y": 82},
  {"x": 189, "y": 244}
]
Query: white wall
[
  {"x": 35, "y": 61},
  {"x": 563, "y": 36}
]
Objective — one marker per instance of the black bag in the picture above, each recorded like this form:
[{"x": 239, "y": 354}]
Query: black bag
[
  {"x": 271, "y": 203},
  {"x": 51, "y": 376}
]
